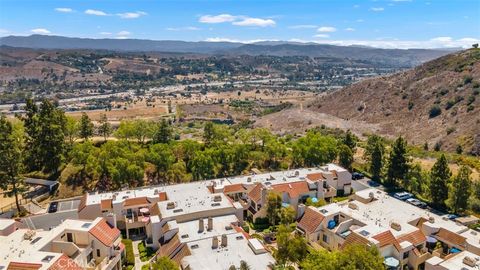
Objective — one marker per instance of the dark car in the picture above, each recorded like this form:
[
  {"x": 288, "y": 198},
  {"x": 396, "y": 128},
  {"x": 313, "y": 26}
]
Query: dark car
[
  {"x": 357, "y": 176},
  {"x": 53, "y": 207}
]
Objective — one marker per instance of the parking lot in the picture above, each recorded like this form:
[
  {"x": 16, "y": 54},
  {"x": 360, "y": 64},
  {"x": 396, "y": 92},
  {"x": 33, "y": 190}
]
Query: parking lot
[{"x": 62, "y": 206}]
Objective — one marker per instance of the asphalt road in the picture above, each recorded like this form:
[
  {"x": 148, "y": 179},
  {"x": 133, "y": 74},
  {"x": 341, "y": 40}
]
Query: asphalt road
[{"x": 365, "y": 183}]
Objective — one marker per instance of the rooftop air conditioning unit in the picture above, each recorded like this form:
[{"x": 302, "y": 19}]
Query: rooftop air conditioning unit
[{"x": 396, "y": 226}]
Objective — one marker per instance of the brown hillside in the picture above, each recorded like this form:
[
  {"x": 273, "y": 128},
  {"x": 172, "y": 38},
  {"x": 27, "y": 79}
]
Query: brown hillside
[{"x": 400, "y": 103}]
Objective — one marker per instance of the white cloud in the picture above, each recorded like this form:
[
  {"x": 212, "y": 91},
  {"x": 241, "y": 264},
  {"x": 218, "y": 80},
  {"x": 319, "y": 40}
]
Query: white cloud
[
  {"x": 40, "y": 31},
  {"x": 360, "y": 20},
  {"x": 434, "y": 43},
  {"x": 4, "y": 31},
  {"x": 95, "y": 12},
  {"x": 105, "y": 33},
  {"x": 442, "y": 39},
  {"x": 349, "y": 29},
  {"x": 237, "y": 20},
  {"x": 255, "y": 22},
  {"x": 217, "y": 18},
  {"x": 123, "y": 33},
  {"x": 322, "y": 36},
  {"x": 64, "y": 10},
  {"x": 377, "y": 9},
  {"x": 131, "y": 15},
  {"x": 327, "y": 29},
  {"x": 303, "y": 26},
  {"x": 186, "y": 28}
]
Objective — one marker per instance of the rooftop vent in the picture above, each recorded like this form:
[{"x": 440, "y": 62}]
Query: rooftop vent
[
  {"x": 396, "y": 226},
  {"x": 47, "y": 258},
  {"x": 170, "y": 205},
  {"x": 195, "y": 246},
  {"x": 184, "y": 236},
  {"x": 178, "y": 210},
  {"x": 469, "y": 261},
  {"x": 431, "y": 219},
  {"x": 216, "y": 204},
  {"x": 323, "y": 211},
  {"x": 239, "y": 237},
  {"x": 217, "y": 198},
  {"x": 35, "y": 240},
  {"x": 352, "y": 206},
  {"x": 249, "y": 179}
]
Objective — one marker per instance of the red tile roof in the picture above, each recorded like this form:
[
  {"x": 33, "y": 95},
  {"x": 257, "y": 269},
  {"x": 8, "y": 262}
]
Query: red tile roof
[
  {"x": 104, "y": 233},
  {"x": 236, "y": 188},
  {"x": 255, "y": 194},
  {"x": 294, "y": 189},
  {"x": 162, "y": 196},
  {"x": 315, "y": 176},
  {"x": 136, "y": 201},
  {"x": 445, "y": 235},
  {"x": 310, "y": 220},
  {"x": 65, "y": 263},
  {"x": 83, "y": 202},
  {"x": 23, "y": 266},
  {"x": 355, "y": 239},
  {"x": 416, "y": 238},
  {"x": 106, "y": 204},
  {"x": 386, "y": 238}
]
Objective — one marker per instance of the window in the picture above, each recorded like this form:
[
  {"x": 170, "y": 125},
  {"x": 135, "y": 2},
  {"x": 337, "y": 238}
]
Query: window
[
  {"x": 69, "y": 237},
  {"x": 405, "y": 255},
  {"x": 98, "y": 252},
  {"x": 325, "y": 238}
]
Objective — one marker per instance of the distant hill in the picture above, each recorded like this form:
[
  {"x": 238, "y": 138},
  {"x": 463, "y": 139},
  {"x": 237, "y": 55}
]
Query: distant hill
[
  {"x": 391, "y": 57},
  {"x": 438, "y": 101}
]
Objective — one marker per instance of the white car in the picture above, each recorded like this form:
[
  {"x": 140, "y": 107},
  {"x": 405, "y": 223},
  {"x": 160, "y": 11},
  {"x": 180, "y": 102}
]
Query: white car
[{"x": 403, "y": 195}]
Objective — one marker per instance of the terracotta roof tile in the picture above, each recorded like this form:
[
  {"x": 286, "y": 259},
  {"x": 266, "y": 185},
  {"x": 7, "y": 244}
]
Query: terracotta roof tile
[
  {"x": 104, "y": 233},
  {"x": 162, "y": 196},
  {"x": 106, "y": 204},
  {"x": 136, "y": 201},
  {"x": 315, "y": 176},
  {"x": 255, "y": 194},
  {"x": 236, "y": 188},
  {"x": 83, "y": 202},
  {"x": 65, "y": 263},
  {"x": 23, "y": 266},
  {"x": 294, "y": 189},
  {"x": 310, "y": 220},
  {"x": 416, "y": 238},
  {"x": 386, "y": 238},
  {"x": 355, "y": 239},
  {"x": 450, "y": 237}
]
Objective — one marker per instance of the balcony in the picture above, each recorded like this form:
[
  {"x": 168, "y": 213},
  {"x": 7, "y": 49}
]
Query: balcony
[{"x": 330, "y": 192}]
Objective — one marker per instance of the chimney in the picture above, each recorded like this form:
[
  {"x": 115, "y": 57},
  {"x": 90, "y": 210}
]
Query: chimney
[
  {"x": 264, "y": 195},
  {"x": 224, "y": 240},
  {"x": 214, "y": 242},
  {"x": 201, "y": 225},
  {"x": 111, "y": 220},
  {"x": 210, "y": 224},
  {"x": 300, "y": 210}
]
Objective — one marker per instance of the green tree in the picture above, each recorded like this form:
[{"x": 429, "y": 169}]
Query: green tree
[
  {"x": 164, "y": 263},
  {"x": 104, "y": 128},
  {"x": 208, "y": 133},
  {"x": 287, "y": 215},
  {"x": 291, "y": 247},
  {"x": 51, "y": 136},
  {"x": 374, "y": 153},
  {"x": 460, "y": 191},
  {"x": 81, "y": 155},
  {"x": 162, "y": 157},
  {"x": 163, "y": 134},
  {"x": 31, "y": 123},
  {"x": 439, "y": 178},
  {"x": 178, "y": 173},
  {"x": 11, "y": 160},
  {"x": 86, "y": 127},
  {"x": 416, "y": 179},
  {"x": 345, "y": 156},
  {"x": 397, "y": 162},
  {"x": 71, "y": 131},
  {"x": 350, "y": 140},
  {"x": 360, "y": 257},
  {"x": 273, "y": 204},
  {"x": 203, "y": 166}
]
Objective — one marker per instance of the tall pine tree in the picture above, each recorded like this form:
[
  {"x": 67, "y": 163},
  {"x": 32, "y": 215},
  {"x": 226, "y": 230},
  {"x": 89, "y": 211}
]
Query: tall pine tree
[
  {"x": 86, "y": 127},
  {"x": 397, "y": 163},
  {"x": 439, "y": 178},
  {"x": 460, "y": 191}
]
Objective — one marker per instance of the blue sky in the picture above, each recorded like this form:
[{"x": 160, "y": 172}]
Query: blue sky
[{"x": 380, "y": 23}]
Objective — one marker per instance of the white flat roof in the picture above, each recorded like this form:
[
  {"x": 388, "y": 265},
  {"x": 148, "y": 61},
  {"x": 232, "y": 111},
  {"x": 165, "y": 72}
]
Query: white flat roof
[
  {"x": 205, "y": 258},
  {"x": 5, "y": 223},
  {"x": 220, "y": 223},
  {"x": 456, "y": 262}
]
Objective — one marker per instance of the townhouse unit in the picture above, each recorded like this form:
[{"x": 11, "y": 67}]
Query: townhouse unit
[
  {"x": 74, "y": 244},
  {"x": 404, "y": 234}
]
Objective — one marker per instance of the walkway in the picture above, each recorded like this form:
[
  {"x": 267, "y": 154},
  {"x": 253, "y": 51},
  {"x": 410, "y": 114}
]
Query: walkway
[{"x": 136, "y": 254}]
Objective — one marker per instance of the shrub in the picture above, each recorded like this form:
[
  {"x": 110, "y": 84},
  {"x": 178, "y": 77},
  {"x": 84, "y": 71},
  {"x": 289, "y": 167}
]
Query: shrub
[
  {"x": 437, "y": 146},
  {"x": 467, "y": 79},
  {"x": 450, "y": 130},
  {"x": 449, "y": 104},
  {"x": 410, "y": 105},
  {"x": 129, "y": 258},
  {"x": 470, "y": 108},
  {"x": 470, "y": 99},
  {"x": 435, "y": 111}
]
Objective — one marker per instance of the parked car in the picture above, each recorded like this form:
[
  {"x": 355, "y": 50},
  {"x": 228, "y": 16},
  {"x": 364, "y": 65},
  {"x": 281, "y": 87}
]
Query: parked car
[
  {"x": 357, "y": 176},
  {"x": 417, "y": 203},
  {"x": 53, "y": 207},
  {"x": 403, "y": 195},
  {"x": 452, "y": 216}
]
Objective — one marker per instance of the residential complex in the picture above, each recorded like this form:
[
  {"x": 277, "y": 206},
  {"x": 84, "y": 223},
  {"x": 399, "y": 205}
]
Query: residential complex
[{"x": 404, "y": 234}]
